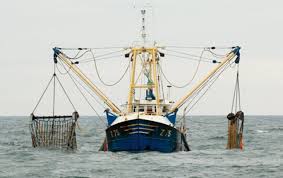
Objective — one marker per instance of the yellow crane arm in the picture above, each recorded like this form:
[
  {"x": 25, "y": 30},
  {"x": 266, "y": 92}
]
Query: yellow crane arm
[
  {"x": 225, "y": 60},
  {"x": 86, "y": 80}
]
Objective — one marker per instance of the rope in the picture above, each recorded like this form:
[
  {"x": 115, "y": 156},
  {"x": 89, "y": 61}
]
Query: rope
[
  {"x": 193, "y": 77},
  {"x": 161, "y": 81},
  {"x": 54, "y": 92},
  {"x": 43, "y": 94},
  {"x": 54, "y": 89},
  {"x": 62, "y": 73},
  {"x": 86, "y": 99},
  {"x": 212, "y": 80},
  {"x": 74, "y": 80},
  {"x": 199, "y": 47},
  {"x": 90, "y": 93},
  {"x": 142, "y": 69},
  {"x": 54, "y": 76},
  {"x": 65, "y": 92},
  {"x": 77, "y": 57},
  {"x": 99, "y": 59},
  {"x": 187, "y": 54},
  {"x": 236, "y": 95},
  {"x": 199, "y": 90},
  {"x": 109, "y": 47},
  {"x": 216, "y": 55},
  {"x": 104, "y": 83},
  {"x": 99, "y": 56},
  {"x": 191, "y": 59}
]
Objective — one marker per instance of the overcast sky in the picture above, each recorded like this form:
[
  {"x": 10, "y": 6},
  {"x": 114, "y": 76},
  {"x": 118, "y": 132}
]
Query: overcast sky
[{"x": 29, "y": 29}]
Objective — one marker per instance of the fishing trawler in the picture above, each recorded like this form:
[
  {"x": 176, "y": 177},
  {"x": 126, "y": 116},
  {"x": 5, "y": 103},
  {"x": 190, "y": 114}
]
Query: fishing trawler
[{"x": 148, "y": 120}]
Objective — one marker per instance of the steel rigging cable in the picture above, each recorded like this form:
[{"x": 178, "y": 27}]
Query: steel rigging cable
[
  {"x": 82, "y": 85},
  {"x": 193, "y": 77},
  {"x": 54, "y": 78},
  {"x": 212, "y": 80},
  {"x": 187, "y": 58},
  {"x": 236, "y": 103},
  {"x": 97, "y": 72},
  {"x": 188, "y": 54},
  {"x": 200, "y": 47},
  {"x": 102, "y": 56},
  {"x": 74, "y": 81}
]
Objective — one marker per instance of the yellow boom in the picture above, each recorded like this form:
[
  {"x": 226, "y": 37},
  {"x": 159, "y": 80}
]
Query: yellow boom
[
  {"x": 224, "y": 61},
  {"x": 86, "y": 80}
]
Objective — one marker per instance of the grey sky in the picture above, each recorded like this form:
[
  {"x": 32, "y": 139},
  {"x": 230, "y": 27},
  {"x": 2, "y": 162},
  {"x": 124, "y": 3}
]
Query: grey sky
[{"x": 29, "y": 29}]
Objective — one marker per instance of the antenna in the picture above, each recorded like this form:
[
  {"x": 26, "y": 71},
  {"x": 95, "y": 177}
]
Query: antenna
[
  {"x": 144, "y": 6},
  {"x": 143, "y": 35}
]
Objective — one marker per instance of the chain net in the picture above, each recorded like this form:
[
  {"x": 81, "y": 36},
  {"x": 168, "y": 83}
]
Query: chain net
[{"x": 54, "y": 131}]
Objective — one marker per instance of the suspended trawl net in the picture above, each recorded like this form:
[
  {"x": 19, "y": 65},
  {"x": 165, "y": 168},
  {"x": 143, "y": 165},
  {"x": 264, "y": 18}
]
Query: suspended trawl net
[
  {"x": 54, "y": 131},
  {"x": 235, "y": 130}
]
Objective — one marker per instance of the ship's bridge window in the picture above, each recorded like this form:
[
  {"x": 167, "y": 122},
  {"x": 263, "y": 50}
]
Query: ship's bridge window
[
  {"x": 138, "y": 108},
  {"x": 141, "y": 109},
  {"x": 150, "y": 109}
]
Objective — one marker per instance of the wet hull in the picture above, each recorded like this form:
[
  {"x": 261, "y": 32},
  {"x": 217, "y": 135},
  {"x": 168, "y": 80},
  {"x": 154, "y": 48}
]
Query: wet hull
[{"x": 143, "y": 135}]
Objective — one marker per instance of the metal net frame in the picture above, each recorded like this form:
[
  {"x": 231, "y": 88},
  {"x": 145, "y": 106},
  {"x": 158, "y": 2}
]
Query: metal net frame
[{"x": 54, "y": 131}]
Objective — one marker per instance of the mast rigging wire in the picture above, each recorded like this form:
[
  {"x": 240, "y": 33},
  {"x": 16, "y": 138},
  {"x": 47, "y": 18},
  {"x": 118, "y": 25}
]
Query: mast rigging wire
[
  {"x": 88, "y": 102},
  {"x": 212, "y": 80},
  {"x": 54, "y": 78},
  {"x": 104, "y": 83},
  {"x": 188, "y": 54},
  {"x": 143, "y": 69},
  {"x": 192, "y": 59},
  {"x": 236, "y": 95},
  {"x": 43, "y": 94},
  {"x": 215, "y": 54},
  {"x": 86, "y": 60},
  {"x": 160, "y": 79},
  {"x": 77, "y": 56},
  {"x": 65, "y": 92},
  {"x": 110, "y": 47},
  {"x": 83, "y": 87},
  {"x": 74, "y": 80},
  {"x": 59, "y": 70},
  {"x": 199, "y": 47},
  {"x": 209, "y": 83},
  {"x": 102, "y": 55},
  {"x": 193, "y": 77}
]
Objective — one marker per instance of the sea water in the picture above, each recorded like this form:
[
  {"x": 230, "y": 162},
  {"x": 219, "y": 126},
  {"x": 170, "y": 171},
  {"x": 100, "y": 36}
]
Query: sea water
[{"x": 207, "y": 136}]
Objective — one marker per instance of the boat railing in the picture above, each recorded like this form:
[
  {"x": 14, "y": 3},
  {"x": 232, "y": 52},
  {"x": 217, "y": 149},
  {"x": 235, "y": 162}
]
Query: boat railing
[{"x": 148, "y": 109}]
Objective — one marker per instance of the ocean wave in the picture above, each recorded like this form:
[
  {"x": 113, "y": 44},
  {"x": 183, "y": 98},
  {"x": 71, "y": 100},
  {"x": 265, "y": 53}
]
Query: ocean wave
[{"x": 262, "y": 131}]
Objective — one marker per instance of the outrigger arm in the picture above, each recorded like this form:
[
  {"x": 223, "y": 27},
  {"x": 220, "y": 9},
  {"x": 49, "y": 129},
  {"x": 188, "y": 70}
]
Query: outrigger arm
[
  {"x": 85, "y": 79},
  {"x": 230, "y": 56}
]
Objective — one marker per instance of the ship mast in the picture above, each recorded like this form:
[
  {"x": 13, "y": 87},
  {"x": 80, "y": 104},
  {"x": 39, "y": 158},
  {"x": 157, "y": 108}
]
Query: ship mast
[
  {"x": 143, "y": 34},
  {"x": 151, "y": 61}
]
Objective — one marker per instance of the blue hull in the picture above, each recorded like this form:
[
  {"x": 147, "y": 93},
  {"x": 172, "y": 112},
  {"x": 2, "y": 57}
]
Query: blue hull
[{"x": 143, "y": 135}]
